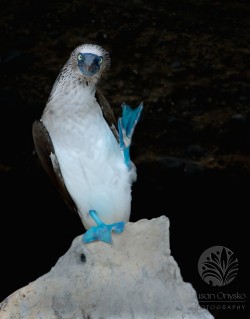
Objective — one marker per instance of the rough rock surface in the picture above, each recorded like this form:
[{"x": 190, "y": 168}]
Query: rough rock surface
[{"x": 136, "y": 277}]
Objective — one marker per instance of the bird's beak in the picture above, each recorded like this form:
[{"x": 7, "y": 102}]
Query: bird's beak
[{"x": 91, "y": 68}]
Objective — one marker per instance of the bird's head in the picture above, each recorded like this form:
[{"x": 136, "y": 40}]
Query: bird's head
[{"x": 90, "y": 61}]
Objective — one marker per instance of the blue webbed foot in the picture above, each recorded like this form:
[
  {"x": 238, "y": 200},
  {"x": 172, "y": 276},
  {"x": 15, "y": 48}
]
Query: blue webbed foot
[
  {"x": 126, "y": 127},
  {"x": 101, "y": 232}
]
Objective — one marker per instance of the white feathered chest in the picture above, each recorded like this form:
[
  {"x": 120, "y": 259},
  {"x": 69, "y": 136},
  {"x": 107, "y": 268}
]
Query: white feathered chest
[{"x": 89, "y": 155}]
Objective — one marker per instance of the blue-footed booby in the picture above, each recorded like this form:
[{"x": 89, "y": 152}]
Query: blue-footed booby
[{"x": 80, "y": 148}]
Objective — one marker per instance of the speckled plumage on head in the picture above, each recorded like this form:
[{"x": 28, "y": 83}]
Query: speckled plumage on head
[{"x": 71, "y": 73}]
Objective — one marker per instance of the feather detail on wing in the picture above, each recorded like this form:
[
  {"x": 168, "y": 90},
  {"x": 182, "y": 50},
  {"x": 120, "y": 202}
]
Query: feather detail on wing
[
  {"x": 107, "y": 113},
  {"x": 46, "y": 154}
]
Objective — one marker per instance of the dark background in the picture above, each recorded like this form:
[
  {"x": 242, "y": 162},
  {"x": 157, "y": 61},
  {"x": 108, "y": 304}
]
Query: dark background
[{"x": 188, "y": 61}]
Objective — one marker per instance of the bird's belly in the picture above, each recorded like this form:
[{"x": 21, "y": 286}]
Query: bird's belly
[{"x": 93, "y": 169}]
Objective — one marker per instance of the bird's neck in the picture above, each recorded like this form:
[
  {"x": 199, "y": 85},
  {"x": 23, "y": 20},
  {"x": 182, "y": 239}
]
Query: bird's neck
[{"x": 70, "y": 83}]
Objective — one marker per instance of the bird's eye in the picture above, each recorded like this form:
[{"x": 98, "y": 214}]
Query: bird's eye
[
  {"x": 100, "y": 60},
  {"x": 79, "y": 57}
]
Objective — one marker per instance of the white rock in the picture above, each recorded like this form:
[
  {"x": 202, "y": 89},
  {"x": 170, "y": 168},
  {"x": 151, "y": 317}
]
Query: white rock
[{"x": 136, "y": 277}]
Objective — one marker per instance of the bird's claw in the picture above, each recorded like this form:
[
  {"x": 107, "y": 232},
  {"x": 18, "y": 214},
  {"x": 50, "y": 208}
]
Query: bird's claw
[
  {"x": 101, "y": 232},
  {"x": 126, "y": 127}
]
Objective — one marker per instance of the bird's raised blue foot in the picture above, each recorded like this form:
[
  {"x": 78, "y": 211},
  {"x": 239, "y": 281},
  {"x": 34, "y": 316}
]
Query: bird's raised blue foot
[
  {"x": 126, "y": 127},
  {"x": 101, "y": 232}
]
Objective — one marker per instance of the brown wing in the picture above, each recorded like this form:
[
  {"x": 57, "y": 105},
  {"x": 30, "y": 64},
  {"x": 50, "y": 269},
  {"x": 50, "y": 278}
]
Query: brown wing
[
  {"x": 107, "y": 113},
  {"x": 44, "y": 148}
]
